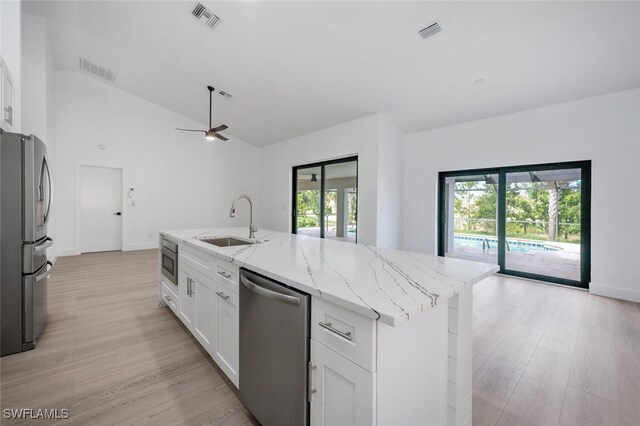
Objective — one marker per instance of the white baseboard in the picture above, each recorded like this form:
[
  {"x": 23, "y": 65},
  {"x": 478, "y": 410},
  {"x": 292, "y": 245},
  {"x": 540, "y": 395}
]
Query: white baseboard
[
  {"x": 67, "y": 252},
  {"x": 615, "y": 292},
  {"x": 128, "y": 247},
  {"x": 141, "y": 246}
]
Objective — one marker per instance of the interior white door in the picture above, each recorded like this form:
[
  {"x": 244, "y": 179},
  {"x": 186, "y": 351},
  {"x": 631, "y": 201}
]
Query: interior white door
[{"x": 101, "y": 208}]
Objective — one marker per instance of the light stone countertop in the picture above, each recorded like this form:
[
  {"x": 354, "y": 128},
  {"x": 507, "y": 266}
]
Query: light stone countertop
[{"x": 392, "y": 286}]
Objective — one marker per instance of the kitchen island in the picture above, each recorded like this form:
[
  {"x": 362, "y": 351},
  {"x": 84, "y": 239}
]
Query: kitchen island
[{"x": 408, "y": 358}]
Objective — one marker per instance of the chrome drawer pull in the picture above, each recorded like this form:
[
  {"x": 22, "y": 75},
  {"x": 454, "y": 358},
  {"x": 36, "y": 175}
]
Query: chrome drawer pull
[
  {"x": 168, "y": 298},
  {"x": 328, "y": 326},
  {"x": 227, "y": 276},
  {"x": 221, "y": 294}
]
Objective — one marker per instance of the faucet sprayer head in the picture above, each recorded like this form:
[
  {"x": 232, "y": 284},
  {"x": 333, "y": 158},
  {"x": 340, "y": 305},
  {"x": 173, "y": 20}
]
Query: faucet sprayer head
[{"x": 232, "y": 212}]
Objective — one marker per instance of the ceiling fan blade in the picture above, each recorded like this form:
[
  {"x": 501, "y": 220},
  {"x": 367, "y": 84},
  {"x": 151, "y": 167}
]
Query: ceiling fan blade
[
  {"x": 220, "y": 128},
  {"x": 191, "y": 130},
  {"x": 222, "y": 138}
]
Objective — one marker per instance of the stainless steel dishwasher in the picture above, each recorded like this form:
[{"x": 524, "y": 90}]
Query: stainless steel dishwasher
[{"x": 274, "y": 350}]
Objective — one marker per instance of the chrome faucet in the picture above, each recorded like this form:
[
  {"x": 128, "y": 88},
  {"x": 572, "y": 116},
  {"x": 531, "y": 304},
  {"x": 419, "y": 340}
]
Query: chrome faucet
[{"x": 232, "y": 213}]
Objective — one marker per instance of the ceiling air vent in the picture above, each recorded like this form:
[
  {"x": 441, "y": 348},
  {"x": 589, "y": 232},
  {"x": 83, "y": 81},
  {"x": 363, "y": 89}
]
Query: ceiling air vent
[
  {"x": 97, "y": 71},
  {"x": 430, "y": 30},
  {"x": 205, "y": 16}
]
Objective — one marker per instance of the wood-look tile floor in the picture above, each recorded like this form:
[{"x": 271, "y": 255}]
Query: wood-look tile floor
[
  {"x": 543, "y": 354},
  {"x": 109, "y": 355},
  {"x": 548, "y": 355}
]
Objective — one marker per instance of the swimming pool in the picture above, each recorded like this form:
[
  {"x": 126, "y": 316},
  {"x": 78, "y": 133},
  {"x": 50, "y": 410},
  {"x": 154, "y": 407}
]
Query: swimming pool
[{"x": 514, "y": 246}]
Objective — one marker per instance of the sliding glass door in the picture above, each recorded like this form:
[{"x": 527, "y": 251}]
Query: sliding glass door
[
  {"x": 470, "y": 210},
  {"x": 325, "y": 199},
  {"x": 533, "y": 221}
]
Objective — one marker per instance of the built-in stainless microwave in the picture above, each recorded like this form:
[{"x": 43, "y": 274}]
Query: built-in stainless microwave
[{"x": 169, "y": 260}]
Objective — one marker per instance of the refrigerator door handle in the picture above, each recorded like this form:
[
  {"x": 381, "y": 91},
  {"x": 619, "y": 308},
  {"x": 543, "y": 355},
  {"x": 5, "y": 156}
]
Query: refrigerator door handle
[
  {"x": 48, "y": 242},
  {"x": 45, "y": 166},
  {"x": 46, "y": 273}
]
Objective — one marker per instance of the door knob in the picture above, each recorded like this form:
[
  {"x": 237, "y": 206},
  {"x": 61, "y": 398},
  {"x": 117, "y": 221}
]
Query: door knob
[{"x": 118, "y": 213}]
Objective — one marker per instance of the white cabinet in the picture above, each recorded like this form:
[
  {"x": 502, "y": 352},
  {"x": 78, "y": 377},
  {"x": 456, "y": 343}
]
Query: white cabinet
[
  {"x": 187, "y": 304},
  {"x": 226, "y": 325},
  {"x": 203, "y": 291},
  {"x": 344, "y": 390},
  {"x": 169, "y": 297},
  {"x": 196, "y": 305},
  {"x": 210, "y": 310}
]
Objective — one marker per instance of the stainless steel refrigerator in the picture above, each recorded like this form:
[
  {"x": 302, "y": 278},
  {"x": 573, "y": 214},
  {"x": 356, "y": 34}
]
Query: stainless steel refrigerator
[{"x": 25, "y": 210}]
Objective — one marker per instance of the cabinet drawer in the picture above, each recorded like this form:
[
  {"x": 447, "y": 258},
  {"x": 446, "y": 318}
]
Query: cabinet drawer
[
  {"x": 170, "y": 298},
  {"x": 349, "y": 334},
  {"x": 195, "y": 259},
  {"x": 226, "y": 275}
]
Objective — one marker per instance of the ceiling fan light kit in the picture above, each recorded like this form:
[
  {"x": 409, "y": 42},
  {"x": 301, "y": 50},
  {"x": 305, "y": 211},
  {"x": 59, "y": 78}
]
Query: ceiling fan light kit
[{"x": 211, "y": 134}]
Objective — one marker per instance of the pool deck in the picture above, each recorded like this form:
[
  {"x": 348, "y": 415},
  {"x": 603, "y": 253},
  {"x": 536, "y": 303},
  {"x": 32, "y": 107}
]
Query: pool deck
[{"x": 564, "y": 263}]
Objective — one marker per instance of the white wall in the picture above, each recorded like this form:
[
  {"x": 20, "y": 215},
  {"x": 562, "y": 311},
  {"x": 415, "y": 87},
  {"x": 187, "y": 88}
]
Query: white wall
[
  {"x": 180, "y": 180},
  {"x": 358, "y": 137},
  {"x": 38, "y": 92},
  {"x": 10, "y": 50},
  {"x": 390, "y": 183},
  {"x": 604, "y": 129}
]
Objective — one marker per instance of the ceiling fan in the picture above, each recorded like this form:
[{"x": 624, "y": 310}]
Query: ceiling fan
[{"x": 211, "y": 134}]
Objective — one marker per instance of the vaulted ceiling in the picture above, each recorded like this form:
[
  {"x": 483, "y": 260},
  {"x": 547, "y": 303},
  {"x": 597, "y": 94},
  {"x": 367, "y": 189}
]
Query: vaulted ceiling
[{"x": 296, "y": 67}]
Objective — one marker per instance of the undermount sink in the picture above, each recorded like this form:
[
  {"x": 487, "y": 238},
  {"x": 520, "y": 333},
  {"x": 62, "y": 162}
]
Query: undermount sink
[{"x": 226, "y": 241}]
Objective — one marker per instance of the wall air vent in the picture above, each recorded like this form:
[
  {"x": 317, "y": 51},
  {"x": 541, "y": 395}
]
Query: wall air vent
[
  {"x": 97, "y": 70},
  {"x": 430, "y": 30},
  {"x": 205, "y": 16}
]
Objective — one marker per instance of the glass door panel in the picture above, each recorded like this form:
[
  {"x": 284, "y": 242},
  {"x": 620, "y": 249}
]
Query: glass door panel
[
  {"x": 307, "y": 211},
  {"x": 470, "y": 222},
  {"x": 543, "y": 222},
  {"x": 340, "y": 200}
]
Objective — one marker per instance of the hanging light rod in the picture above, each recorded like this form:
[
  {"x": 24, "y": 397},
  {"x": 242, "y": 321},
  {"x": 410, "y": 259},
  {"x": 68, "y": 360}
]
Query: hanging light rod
[{"x": 211, "y": 134}]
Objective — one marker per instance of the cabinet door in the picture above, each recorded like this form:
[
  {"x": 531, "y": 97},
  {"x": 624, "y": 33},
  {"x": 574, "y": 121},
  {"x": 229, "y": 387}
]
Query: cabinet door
[
  {"x": 203, "y": 292},
  {"x": 344, "y": 390},
  {"x": 227, "y": 330},
  {"x": 186, "y": 304}
]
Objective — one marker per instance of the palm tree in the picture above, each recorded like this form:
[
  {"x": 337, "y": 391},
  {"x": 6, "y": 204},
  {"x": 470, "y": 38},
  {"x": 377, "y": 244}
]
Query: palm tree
[{"x": 552, "y": 187}]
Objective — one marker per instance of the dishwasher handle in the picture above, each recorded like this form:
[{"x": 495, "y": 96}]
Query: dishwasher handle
[{"x": 291, "y": 300}]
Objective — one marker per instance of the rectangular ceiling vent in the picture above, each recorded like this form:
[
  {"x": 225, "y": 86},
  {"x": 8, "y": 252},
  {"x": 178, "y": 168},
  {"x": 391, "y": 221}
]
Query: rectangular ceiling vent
[
  {"x": 430, "y": 30},
  {"x": 205, "y": 16},
  {"x": 97, "y": 71}
]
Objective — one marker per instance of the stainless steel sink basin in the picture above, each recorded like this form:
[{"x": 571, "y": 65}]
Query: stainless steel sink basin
[{"x": 226, "y": 241}]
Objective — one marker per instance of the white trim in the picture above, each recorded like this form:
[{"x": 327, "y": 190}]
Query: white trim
[
  {"x": 68, "y": 252},
  {"x": 141, "y": 246},
  {"x": 615, "y": 292}
]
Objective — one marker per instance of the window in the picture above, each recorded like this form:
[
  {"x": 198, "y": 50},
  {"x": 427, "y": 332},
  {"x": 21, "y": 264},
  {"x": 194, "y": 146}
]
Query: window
[
  {"x": 325, "y": 199},
  {"x": 533, "y": 221}
]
